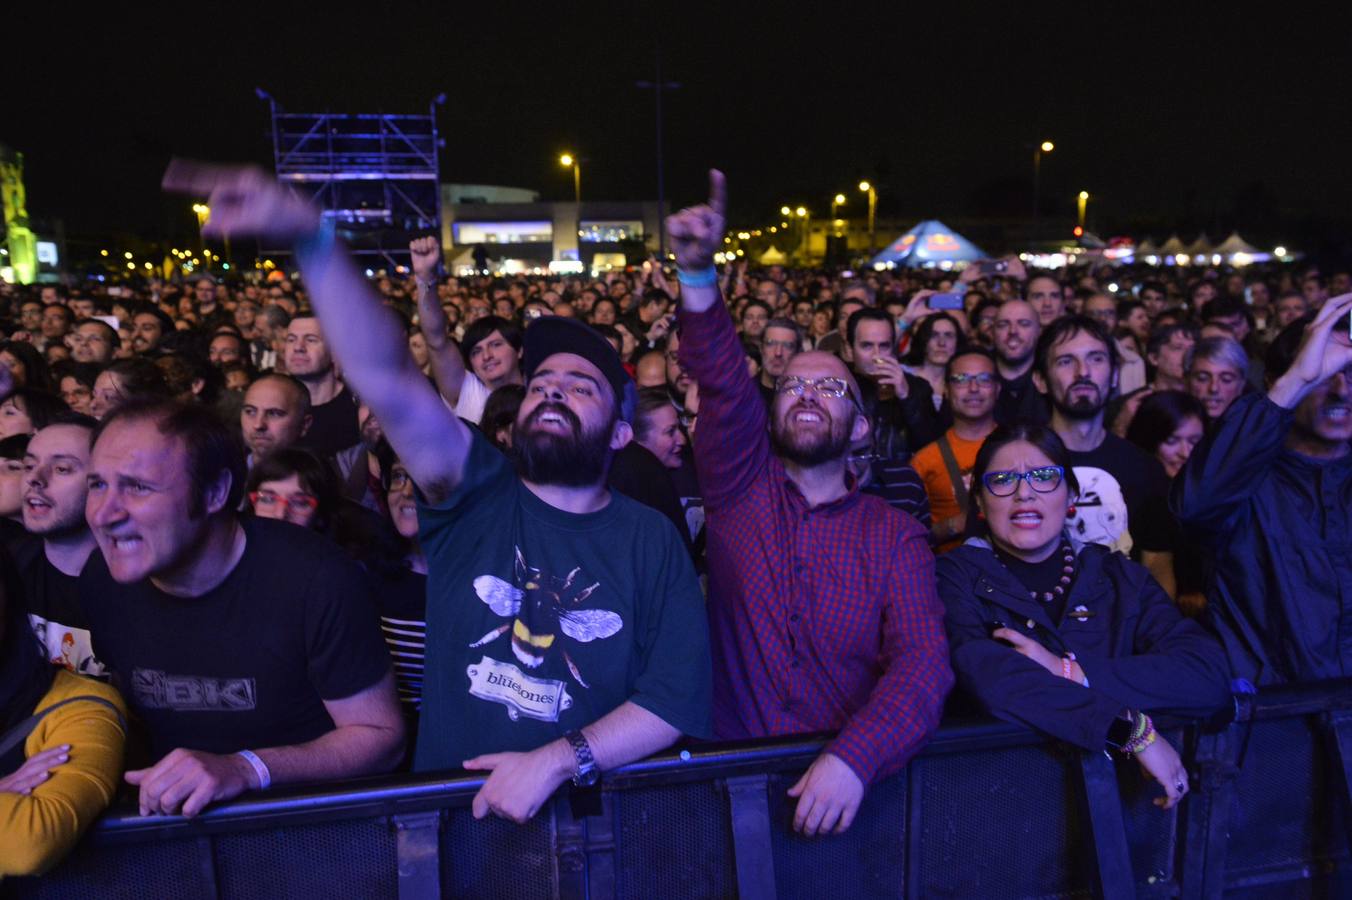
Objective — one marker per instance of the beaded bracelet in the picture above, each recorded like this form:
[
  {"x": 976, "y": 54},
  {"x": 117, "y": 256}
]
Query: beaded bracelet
[{"x": 1142, "y": 737}]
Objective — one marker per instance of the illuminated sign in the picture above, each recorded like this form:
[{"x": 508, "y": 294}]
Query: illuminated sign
[
  {"x": 47, "y": 252},
  {"x": 503, "y": 232}
]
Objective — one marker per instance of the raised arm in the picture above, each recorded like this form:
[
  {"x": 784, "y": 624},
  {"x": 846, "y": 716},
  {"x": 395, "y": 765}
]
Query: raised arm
[
  {"x": 366, "y": 338},
  {"x": 448, "y": 366},
  {"x": 1231, "y": 463},
  {"x": 731, "y": 443}
]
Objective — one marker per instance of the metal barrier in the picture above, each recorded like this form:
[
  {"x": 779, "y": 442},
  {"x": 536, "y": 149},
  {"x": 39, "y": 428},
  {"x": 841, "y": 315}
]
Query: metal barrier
[{"x": 988, "y": 810}]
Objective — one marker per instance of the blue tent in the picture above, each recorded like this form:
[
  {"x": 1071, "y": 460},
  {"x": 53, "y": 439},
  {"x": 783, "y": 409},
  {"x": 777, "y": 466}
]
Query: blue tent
[{"x": 928, "y": 244}]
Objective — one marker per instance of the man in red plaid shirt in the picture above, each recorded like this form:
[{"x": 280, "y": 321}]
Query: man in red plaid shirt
[{"x": 823, "y": 609}]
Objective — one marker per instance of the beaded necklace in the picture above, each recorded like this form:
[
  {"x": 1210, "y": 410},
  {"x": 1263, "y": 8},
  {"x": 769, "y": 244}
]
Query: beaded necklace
[{"x": 1067, "y": 573}]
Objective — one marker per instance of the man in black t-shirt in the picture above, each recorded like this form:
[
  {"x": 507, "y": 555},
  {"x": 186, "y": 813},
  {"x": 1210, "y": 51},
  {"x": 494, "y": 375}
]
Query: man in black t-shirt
[
  {"x": 333, "y": 409},
  {"x": 1124, "y": 493},
  {"x": 49, "y": 563},
  {"x": 1016, "y": 331},
  {"x": 566, "y": 631},
  {"x": 249, "y": 648}
]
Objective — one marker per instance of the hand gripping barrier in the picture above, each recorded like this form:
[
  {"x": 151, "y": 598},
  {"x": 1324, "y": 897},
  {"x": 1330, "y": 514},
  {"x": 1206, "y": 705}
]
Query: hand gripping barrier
[{"x": 988, "y": 810}]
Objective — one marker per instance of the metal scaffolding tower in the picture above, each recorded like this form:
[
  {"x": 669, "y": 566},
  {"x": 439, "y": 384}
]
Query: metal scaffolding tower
[{"x": 375, "y": 174}]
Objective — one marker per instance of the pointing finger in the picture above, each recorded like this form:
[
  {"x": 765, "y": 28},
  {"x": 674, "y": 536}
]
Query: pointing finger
[{"x": 718, "y": 192}]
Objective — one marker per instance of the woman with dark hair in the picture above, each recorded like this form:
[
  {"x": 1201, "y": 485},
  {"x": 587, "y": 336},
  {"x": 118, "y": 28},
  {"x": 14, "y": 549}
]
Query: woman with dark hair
[
  {"x": 136, "y": 378},
  {"x": 499, "y": 416},
  {"x": 296, "y": 486},
  {"x": 1072, "y": 639},
  {"x": 937, "y": 339},
  {"x": 61, "y": 740},
  {"x": 75, "y": 383},
  {"x": 26, "y": 364},
  {"x": 28, "y": 410},
  {"x": 402, "y": 592},
  {"x": 1168, "y": 425},
  {"x": 12, "y": 483}
]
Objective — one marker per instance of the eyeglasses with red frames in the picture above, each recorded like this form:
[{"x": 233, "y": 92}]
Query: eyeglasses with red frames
[{"x": 297, "y": 503}]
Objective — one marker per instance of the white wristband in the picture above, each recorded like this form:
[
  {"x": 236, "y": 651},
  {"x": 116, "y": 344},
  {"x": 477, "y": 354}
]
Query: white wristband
[{"x": 260, "y": 768}]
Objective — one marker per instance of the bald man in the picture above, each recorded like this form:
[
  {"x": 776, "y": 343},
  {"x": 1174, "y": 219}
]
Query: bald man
[{"x": 823, "y": 606}]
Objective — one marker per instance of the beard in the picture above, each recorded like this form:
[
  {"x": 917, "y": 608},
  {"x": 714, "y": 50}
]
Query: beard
[
  {"x": 809, "y": 448},
  {"x": 577, "y": 459},
  {"x": 1081, "y": 407}
]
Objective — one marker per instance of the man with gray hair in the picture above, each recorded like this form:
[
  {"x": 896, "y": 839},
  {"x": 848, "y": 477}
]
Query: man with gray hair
[{"x": 1217, "y": 368}]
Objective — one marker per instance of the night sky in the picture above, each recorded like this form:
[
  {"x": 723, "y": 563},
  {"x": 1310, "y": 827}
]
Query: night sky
[{"x": 1166, "y": 117}]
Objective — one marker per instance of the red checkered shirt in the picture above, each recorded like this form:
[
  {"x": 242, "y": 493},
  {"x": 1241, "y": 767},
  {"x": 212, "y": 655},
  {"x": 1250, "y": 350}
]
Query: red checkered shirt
[{"x": 822, "y": 619}]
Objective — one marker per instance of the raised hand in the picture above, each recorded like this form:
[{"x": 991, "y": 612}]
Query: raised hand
[
  {"x": 697, "y": 232},
  {"x": 426, "y": 251},
  {"x": 245, "y": 201},
  {"x": 1325, "y": 350}
]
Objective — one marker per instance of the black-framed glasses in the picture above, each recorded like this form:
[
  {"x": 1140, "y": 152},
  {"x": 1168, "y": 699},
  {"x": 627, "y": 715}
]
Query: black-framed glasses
[{"x": 1043, "y": 479}]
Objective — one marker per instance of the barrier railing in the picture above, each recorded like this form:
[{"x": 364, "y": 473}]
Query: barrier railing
[{"x": 988, "y": 810}]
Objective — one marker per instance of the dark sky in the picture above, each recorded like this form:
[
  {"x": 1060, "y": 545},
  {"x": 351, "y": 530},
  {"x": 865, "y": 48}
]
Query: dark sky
[{"x": 1163, "y": 115}]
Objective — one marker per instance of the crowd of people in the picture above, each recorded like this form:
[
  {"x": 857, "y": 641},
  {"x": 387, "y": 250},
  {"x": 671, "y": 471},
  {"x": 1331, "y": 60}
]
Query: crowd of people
[{"x": 313, "y": 527}]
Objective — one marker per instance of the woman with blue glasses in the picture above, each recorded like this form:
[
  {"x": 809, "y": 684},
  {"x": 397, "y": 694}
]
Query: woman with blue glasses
[{"x": 1069, "y": 638}]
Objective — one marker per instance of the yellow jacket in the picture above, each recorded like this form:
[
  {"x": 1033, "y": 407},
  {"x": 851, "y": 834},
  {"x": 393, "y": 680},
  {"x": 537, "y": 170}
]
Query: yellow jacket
[{"x": 37, "y": 830}]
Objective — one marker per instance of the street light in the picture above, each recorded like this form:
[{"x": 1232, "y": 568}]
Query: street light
[
  {"x": 802, "y": 213},
  {"x": 568, "y": 160},
  {"x": 872, "y": 192},
  {"x": 1044, "y": 147},
  {"x": 784, "y": 211},
  {"x": 203, "y": 212},
  {"x": 1083, "y": 202},
  {"x": 836, "y": 202}
]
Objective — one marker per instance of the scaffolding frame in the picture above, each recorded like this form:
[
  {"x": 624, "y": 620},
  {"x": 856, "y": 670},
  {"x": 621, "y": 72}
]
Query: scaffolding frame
[{"x": 375, "y": 175}]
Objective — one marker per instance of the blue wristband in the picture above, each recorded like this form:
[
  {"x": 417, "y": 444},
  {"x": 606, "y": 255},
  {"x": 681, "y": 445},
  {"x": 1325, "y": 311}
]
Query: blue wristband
[{"x": 702, "y": 278}]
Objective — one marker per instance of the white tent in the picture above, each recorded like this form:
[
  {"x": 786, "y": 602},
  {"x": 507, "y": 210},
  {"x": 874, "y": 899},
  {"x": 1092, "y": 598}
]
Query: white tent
[
  {"x": 1173, "y": 246},
  {"x": 773, "y": 257},
  {"x": 1235, "y": 244},
  {"x": 1200, "y": 247}
]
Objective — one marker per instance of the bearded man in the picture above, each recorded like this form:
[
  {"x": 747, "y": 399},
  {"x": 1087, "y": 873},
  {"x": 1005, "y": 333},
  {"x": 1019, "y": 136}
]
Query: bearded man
[
  {"x": 822, "y": 600},
  {"x": 566, "y": 632}
]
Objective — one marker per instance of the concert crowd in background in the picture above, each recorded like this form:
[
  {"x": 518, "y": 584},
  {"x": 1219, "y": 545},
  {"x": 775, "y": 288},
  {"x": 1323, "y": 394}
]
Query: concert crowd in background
[{"x": 318, "y": 525}]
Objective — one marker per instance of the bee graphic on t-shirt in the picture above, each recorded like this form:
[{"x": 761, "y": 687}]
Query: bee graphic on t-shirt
[{"x": 543, "y": 606}]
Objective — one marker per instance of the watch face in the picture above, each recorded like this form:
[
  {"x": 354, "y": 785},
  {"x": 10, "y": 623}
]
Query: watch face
[{"x": 588, "y": 778}]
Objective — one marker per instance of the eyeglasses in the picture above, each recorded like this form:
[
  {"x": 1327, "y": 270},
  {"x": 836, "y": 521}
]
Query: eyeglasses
[
  {"x": 985, "y": 379},
  {"x": 297, "y": 503},
  {"x": 1043, "y": 479},
  {"x": 825, "y": 387}
]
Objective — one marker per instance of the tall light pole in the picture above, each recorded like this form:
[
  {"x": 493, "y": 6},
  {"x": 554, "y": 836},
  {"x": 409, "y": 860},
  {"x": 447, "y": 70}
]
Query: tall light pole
[
  {"x": 568, "y": 160},
  {"x": 836, "y": 202},
  {"x": 868, "y": 188},
  {"x": 806, "y": 217},
  {"x": 203, "y": 213},
  {"x": 1083, "y": 200},
  {"x": 658, "y": 87},
  {"x": 1044, "y": 147}
]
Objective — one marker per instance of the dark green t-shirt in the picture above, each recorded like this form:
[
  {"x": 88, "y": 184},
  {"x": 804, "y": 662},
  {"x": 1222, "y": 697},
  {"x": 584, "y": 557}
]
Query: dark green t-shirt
[{"x": 541, "y": 621}]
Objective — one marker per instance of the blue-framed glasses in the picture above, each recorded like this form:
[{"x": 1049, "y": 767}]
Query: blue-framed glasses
[{"x": 1043, "y": 479}]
